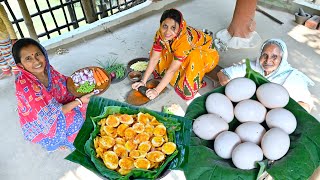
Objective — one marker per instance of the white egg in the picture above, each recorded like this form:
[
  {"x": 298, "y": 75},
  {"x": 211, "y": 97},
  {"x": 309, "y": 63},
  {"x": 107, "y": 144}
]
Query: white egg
[
  {"x": 219, "y": 104},
  {"x": 246, "y": 154},
  {"x": 281, "y": 118},
  {"x": 275, "y": 144},
  {"x": 225, "y": 142},
  {"x": 272, "y": 95},
  {"x": 239, "y": 89},
  {"x": 250, "y": 110},
  {"x": 250, "y": 132},
  {"x": 208, "y": 126}
]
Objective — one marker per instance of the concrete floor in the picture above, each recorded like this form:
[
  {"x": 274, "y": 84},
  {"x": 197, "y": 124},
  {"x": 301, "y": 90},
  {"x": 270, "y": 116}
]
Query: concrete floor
[{"x": 23, "y": 160}]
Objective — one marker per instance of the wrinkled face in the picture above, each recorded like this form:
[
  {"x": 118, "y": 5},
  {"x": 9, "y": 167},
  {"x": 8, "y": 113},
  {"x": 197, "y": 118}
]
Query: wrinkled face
[
  {"x": 169, "y": 28},
  {"x": 270, "y": 58},
  {"x": 32, "y": 59}
]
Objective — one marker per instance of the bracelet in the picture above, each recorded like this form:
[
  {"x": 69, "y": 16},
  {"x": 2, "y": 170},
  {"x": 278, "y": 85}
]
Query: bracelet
[
  {"x": 143, "y": 83},
  {"x": 80, "y": 105},
  {"x": 156, "y": 91}
]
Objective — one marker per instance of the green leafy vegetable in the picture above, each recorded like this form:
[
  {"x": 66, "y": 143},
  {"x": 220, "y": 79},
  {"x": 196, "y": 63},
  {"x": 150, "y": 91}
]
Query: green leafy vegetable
[
  {"x": 112, "y": 66},
  {"x": 99, "y": 107},
  {"x": 301, "y": 160},
  {"x": 86, "y": 87}
]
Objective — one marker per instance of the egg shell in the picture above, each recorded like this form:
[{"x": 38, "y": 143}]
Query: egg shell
[
  {"x": 250, "y": 110},
  {"x": 250, "y": 132},
  {"x": 272, "y": 95},
  {"x": 208, "y": 126},
  {"x": 217, "y": 103},
  {"x": 239, "y": 89},
  {"x": 275, "y": 144},
  {"x": 224, "y": 144},
  {"x": 245, "y": 155},
  {"x": 281, "y": 118}
]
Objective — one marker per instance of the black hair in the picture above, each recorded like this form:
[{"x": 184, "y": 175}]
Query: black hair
[
  {"x": 173, "y": 14},
  {"x": 20, "y": 44}
]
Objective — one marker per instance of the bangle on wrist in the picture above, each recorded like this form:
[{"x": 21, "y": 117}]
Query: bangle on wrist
[
  {"x": 80, "y": 105},
  {"x": 143, "y": 83},
  {"x": 156, "y": 91}
]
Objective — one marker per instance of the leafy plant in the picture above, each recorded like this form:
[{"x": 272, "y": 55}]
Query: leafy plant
[
  {"x": 301, "y": 160},
  {"x": 116, "y": 70},
  {"x": 100, "y": 107}
]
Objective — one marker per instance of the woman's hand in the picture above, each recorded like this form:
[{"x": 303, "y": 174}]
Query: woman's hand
[
  {"x": 86, "y": 98},
  {"x": 152, "y": 93},
  {"x": 136, "y": 85}
]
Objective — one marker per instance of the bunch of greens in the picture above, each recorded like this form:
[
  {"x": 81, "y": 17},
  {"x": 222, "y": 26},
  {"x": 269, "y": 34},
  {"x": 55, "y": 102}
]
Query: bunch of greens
[
  {"x": 116, "y": 70},
  {"x": 301, "y": 160},
  {"x": 178, "y": 131},
  {"x": 86, "y": 87}
]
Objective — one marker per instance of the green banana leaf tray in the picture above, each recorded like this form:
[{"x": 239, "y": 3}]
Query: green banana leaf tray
[
  {"x": 178, "y": 128},
  {"x": 300, "y": 162}
]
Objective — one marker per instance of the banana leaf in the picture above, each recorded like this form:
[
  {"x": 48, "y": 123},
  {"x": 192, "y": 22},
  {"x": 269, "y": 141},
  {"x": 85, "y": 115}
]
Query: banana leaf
[
  {"x": 301, "y": 160},
  {"x": 179, "y": 129}
]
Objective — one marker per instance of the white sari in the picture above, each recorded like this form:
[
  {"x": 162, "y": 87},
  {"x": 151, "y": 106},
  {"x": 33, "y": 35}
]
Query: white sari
[{"x": 292, "y": 79}]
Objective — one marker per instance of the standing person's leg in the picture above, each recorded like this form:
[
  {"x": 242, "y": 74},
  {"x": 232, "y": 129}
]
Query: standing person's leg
[
  {"x": 4, "y": 66},
  {"x": 7, "y": 55}
]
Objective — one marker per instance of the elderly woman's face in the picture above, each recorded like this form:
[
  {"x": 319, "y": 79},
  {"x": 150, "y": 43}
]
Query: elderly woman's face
[
  {"x": 32, "y": 59},
  {"x": 169, "y": 28},
  {"x": 270, "y": 58}
]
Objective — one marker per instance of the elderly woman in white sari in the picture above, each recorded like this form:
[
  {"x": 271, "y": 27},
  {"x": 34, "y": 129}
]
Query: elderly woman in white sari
[{"x": 273, "y": 65}]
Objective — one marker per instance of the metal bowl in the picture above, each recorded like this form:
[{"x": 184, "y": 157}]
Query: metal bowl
[{"x": 135, "y": 76}]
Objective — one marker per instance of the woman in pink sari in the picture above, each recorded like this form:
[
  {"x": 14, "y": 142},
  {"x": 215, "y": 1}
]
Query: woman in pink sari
[{"x": 49, "y": 114}]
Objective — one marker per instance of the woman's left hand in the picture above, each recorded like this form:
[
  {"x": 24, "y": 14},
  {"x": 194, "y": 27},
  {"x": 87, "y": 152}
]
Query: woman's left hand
[{"x": 152, "y": 93}]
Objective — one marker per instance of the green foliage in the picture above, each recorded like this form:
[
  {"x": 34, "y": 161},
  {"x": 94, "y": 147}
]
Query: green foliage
[
  {"x": 301, "y": 160},
  {"x": 178, "y": 128},
  {"x": 111, "y": 65}
]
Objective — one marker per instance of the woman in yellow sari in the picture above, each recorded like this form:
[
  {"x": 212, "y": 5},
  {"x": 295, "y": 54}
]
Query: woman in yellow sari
[{"x": 181, "y": 55}]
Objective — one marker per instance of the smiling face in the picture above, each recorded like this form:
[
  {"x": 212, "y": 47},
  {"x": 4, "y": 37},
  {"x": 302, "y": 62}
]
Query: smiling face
[
  {"x": 169, "y": 29},
  {"x": 32, "y": 59},
  {"x": 270, "y": 58}
]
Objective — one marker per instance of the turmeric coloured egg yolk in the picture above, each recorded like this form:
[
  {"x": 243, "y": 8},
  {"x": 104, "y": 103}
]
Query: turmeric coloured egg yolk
[
  {"x": 126, "y": 163},
  {"x": 169, "y": 148},
  {"x": 157, "y": 141},
  {"x": 129, "y": 133},
  {"x": 126, "y": 119},
  {"x": 138, "y": 127},
  {"x": 145, "y": 146},
  {"x": 110, "y": 159},
  {"x": 110, "y": 131},
  {"x": 120, "y": 150},
  {"x": 121, "y": 128},
  {"x": 137, "y": 154},
  {"x": 113, "y": 121},
  {"x": 143, "y": 119},
  {"x": 160, "y": 130},
  {"x": 124, "y": 171},
  {"x": 142, "y": 137},
  {"x": 155, "y": 156},
  {"x": 131, "y": 145},
  {"x": 106, "y": 142},
  {"x": 142, "y": 163},
  {"x": 120, "y": 141}
]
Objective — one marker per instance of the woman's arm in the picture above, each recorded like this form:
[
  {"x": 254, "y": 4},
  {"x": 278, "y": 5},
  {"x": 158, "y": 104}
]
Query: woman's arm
[
  {"x": 69, "y": 106},
  {"x": 223, "y": 79},
  {"x": 174, "y": 67},
  {"x": 154, "y": 59}
]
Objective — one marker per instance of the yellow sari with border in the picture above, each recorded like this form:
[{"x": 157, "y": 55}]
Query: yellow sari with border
[{"x": 198, "y": 56}]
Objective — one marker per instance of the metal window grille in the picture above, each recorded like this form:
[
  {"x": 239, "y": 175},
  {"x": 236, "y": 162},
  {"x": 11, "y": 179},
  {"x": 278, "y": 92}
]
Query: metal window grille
[{"x": 55, "y": 17}]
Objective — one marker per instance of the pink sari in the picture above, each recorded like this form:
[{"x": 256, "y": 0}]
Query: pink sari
[{"x": 40, "y": 110}]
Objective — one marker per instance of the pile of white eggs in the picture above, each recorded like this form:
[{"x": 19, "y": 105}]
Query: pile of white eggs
[{"x": 250, "y": 142}]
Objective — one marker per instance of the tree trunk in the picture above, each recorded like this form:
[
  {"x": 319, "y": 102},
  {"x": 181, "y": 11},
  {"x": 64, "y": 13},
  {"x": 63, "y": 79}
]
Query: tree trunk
[
  {"x": 28, "y": 20},
  {"x": 243, "y": 22}
]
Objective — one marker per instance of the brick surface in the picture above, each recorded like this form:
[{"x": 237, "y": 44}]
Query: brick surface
[{"x": 313, "y": 22}]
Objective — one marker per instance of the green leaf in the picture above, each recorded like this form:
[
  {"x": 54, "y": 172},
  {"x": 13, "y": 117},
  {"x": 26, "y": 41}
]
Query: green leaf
[
  {"x": 301, "y": 160},
  {"x": 178, "y": 129}
]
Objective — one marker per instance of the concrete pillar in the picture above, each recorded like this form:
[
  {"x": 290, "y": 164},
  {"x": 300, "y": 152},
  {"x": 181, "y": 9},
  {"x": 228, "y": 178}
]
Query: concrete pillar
[{"x": 28, "y": 20}]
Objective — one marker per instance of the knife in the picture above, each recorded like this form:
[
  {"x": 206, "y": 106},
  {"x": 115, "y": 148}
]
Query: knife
[{"x": 143, "y": 90}]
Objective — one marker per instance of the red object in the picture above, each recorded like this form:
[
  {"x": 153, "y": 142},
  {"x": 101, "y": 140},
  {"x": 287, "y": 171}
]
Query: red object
[{"x": 313, "y": 22}]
